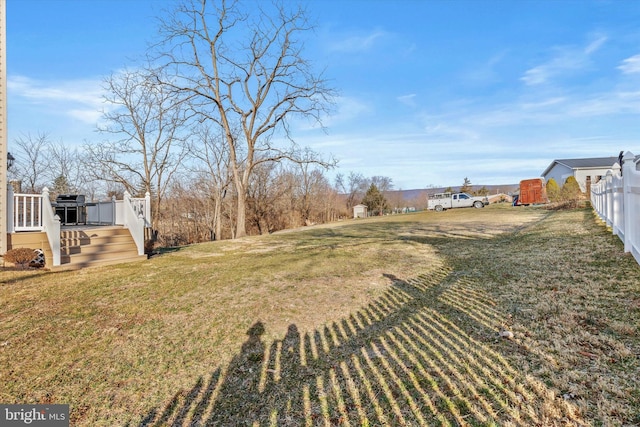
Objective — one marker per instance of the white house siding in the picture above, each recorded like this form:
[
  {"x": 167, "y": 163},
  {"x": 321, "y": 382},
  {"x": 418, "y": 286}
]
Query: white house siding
[
  {"x": 559, "y": 173},
  {"x": 595, "y": 174}
]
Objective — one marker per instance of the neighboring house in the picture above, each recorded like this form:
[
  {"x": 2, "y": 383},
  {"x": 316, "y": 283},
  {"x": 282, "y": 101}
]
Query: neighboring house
[
  {"x": 585, "y": 171},
  {"x": 359, "y": 211}
]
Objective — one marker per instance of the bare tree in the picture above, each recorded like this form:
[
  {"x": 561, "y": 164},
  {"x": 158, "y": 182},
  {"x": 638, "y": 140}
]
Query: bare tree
[
  {"x": 396, "y": 201},
  {"x": 268, "y": 206},
  {"x": 383, "y": 183},
  {"x": 357, "y": 185},
  {"x": 32, "y": 162},
  {"x": 253, "y": 83},
  {"x": 149, "y": 121},
  {"x": 311, "y": 186},
  {"x": 212, "y": 152},
  {"x": 66, "y": 169}
]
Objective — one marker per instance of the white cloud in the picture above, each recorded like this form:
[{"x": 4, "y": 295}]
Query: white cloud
[
  {"x": 347, "y": 109},
  {"x": 408, "y": 99},
  {"x": 630, "y": 65},
  {"x": 535, "y": 76},
  {"x": 605, "y": 104},
  {"x": 485, "y": 72},
  {"x": 80, "y": 99},
  {"x": 545, "y": 103},
  {"x": 553, "y": 110},
  {"x": 357, "y": 43},
  {"x": 86, "y": 116},
  {"x": 566, "y": 59},
  {"x": 450, "y": 131},
  {"x": 596, "y": 44}
]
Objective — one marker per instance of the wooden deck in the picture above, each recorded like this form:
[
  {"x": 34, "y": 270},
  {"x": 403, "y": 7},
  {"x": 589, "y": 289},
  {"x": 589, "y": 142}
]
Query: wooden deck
[{"x": 82, "y": 246}]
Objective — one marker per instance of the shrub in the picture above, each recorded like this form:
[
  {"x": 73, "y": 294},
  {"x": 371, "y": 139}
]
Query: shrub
[
  {"x": 553, "y": 190},
  {"x": 571, "y": 193},
  {"x": 20, "y": 256}
]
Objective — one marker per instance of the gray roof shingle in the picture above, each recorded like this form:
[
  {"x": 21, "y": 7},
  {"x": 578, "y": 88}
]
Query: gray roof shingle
[{"x": 593, "y": 162}]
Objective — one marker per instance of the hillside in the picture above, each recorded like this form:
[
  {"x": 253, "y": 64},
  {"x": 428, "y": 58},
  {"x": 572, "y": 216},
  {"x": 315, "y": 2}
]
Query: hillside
[{"x": 421, "y": 194}]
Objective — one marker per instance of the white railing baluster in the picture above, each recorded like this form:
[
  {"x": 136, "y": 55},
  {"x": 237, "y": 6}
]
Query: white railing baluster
[{"x": 27, "y": 212}]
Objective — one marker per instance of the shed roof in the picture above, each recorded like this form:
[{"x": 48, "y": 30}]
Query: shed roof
[{"x": 593, "y": 162}]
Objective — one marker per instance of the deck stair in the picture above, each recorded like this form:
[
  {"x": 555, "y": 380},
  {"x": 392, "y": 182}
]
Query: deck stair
[{"x": 92, "y": 246}]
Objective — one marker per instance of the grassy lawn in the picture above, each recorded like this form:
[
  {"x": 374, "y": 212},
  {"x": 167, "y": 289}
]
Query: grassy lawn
[{"x": 386, "y": 321}]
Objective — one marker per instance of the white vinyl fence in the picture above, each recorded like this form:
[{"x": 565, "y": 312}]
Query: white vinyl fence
[{"x": 616, "y": 199}]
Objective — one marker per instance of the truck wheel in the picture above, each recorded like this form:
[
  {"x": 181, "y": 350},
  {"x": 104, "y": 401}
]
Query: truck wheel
[
  {"x": 478, "y": 205},
  {"x": 439, "y": 208}
]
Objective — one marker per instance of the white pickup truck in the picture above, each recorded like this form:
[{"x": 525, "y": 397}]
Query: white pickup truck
[{"x": 442, "y": 201}]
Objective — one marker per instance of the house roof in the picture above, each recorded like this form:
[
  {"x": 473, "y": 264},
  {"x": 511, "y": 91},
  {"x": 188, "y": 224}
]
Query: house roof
[{"x": 593, "y": 162}]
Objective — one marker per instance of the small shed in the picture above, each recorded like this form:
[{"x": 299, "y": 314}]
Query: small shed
[{"x": 360, "y": 211}]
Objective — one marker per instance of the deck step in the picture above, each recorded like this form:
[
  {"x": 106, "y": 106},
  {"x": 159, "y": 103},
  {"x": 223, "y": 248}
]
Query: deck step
[{"x": 85, "y": 247}]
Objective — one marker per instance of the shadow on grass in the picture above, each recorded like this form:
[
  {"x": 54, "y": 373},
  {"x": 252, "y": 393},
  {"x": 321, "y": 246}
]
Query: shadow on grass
[
  {"x": 13, "y": 275},
  {"x": 406, "y": 359},
  {"x": 167, "y": 250}
]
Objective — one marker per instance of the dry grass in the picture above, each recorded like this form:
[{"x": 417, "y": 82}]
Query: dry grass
[{"x": 389, "y": 321}]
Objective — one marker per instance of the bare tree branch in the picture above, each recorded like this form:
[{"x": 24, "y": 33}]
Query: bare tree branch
[
  {"x": 149, "y": 123},
  {"x": 255, "y": 84}
]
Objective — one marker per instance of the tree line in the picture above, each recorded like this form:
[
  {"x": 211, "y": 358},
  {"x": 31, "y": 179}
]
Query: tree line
[
  {"x": 204, "y": 125},
  {"x": 197, "y": 201}
]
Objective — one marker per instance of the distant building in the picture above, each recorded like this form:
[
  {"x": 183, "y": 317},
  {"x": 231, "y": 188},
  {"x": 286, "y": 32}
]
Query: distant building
[
  {"x": 585, "y": 171},
  {"x": 359, "y": 211}
]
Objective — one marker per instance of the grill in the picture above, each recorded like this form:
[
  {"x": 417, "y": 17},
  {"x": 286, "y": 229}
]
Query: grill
[{"x": 71, "y": 208}]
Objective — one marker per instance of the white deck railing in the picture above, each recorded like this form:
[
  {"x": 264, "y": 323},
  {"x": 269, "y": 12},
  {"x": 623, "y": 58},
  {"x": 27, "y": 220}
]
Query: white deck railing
[
  {"x": 51, "y": 226},
  {"x": 616, "y": 200},
  {"x": 33, "y": 212},
  {"x": 134, "y": 220},
  {"x": 102, "y": 213},
  {"x": 24, "y": 212}
]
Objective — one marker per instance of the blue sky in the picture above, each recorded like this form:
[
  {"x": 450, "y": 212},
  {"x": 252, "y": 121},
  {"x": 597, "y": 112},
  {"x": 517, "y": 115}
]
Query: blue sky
[{"x": 430, "y": 92}]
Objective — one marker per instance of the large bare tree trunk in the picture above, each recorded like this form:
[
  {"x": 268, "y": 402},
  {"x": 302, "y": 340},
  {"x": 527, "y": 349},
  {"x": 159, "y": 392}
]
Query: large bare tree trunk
[{"x": 248, "y": 87}]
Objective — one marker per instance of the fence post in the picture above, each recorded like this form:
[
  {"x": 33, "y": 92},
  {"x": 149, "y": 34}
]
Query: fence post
[
  {"x": 608, "y": 199},
  {"x": 147, "y": 209},
  {"x": 113, "y": 210},
  {"x": 617, "y": 208},
  {"x": 628, "y": 166}
]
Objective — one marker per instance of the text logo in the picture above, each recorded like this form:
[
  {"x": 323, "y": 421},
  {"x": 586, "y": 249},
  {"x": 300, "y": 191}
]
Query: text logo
[{"x": 34, "y": 415}]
